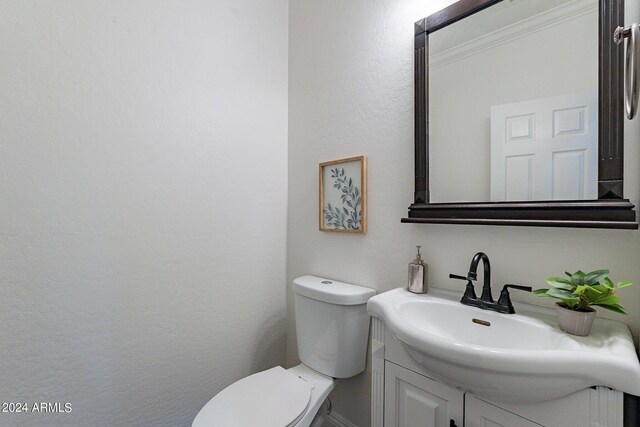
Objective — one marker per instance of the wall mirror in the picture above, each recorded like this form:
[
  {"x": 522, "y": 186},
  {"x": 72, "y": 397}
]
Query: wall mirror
[{"x": 519, "y": 115}]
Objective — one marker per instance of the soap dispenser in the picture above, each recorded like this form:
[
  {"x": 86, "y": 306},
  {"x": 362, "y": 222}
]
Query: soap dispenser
[{"x": 418, "y": 275}]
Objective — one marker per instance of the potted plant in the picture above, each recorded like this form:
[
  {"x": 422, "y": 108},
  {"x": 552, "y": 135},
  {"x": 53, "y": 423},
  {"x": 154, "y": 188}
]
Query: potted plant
[{"x": 578, "y": 293}]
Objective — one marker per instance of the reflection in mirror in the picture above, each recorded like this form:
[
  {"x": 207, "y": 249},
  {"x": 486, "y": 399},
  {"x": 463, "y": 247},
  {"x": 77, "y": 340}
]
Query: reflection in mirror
[{"x": 513, "y": 104}]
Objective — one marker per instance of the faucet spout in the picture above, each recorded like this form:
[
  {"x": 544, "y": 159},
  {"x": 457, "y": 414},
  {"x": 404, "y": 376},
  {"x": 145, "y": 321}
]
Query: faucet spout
[{"x": 473, "y": 274}]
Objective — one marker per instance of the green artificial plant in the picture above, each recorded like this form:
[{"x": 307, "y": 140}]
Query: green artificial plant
[{"x": 581, "y": 290}]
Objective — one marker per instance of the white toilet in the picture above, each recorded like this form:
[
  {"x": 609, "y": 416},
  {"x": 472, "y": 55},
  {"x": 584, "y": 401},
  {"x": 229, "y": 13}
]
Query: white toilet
[{"x": 332, "y": 328}]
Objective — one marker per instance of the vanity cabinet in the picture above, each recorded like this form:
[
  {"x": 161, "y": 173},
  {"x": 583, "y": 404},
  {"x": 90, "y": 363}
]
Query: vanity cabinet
[
  {"x": 413, "y": 400},
  {"x": 405, "y": 395},
  {"x": 481, "y": 414}
]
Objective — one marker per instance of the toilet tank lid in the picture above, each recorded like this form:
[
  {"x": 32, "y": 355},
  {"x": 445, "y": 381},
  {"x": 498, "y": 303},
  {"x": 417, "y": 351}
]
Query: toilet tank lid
[{"x": 331, "y": 291}]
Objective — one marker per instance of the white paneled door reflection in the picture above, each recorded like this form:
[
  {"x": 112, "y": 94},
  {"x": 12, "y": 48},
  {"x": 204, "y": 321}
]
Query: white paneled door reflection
[{"x": 545, "y": 149}]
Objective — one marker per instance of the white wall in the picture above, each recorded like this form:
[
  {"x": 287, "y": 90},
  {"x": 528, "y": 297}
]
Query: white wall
[
  {"x": 143, "y": 215},
  {"x": 351, "y": 93}
]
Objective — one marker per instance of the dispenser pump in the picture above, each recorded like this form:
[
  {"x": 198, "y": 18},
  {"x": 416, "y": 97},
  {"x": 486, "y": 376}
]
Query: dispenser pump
[
  {"x": 418, "y": 270},
  {"x": 418, "y": 259}
]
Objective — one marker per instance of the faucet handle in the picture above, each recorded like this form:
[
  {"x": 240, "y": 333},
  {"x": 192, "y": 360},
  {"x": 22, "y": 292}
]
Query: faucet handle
[
  {"x": 505, "y": 298},
  {"x": 470, "y": 292},
  {"x": 520, "y": 287}
]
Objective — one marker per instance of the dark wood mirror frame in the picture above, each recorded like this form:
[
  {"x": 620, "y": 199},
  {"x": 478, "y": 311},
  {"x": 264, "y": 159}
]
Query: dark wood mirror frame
[{"x": 610, "y": 210}]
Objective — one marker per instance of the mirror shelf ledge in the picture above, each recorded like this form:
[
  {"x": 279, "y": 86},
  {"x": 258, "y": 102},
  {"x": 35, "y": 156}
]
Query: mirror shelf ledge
[{"x": 611, "y": 214}]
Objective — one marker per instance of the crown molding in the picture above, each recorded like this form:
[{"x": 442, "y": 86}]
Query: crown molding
[{"x": 547, "y": 19}]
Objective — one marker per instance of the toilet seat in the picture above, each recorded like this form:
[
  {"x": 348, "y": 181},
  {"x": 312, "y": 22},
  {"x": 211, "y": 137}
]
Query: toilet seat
[{"x": 272, "y": 398}]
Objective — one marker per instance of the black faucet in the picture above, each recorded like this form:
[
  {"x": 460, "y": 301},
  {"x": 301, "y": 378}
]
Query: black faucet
[
  {"x": 486, "y": 301},
  {"x": 473, "y": 275}
]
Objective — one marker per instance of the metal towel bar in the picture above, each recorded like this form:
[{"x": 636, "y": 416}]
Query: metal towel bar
[{"x": 632, "y": 34}]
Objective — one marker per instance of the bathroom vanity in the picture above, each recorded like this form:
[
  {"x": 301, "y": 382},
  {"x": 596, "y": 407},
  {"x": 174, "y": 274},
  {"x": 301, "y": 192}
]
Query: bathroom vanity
[
  {"x": 418, "y": 381},
  {"x": 405, "y": 395}
]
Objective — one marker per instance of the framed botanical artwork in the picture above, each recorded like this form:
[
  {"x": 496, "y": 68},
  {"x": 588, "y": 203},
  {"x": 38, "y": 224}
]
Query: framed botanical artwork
[{"x": 343, "y": 195}]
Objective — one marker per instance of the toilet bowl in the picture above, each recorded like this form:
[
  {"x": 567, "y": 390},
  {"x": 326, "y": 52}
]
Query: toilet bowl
[{"x": 332, "y": 327}]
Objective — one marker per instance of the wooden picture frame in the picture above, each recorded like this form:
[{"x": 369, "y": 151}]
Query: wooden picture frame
[{"x": 343, "y": 195}]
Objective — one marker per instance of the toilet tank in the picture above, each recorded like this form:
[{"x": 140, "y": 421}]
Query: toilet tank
[{"x": 332, "y": 325}]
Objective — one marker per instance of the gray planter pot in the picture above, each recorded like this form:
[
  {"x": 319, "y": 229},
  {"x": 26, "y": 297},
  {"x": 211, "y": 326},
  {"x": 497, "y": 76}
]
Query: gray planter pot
[{"x": 575, "y": 322}]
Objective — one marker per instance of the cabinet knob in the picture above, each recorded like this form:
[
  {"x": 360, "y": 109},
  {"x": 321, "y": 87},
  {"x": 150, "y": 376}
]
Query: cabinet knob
[{"x": 452, "y": 423}]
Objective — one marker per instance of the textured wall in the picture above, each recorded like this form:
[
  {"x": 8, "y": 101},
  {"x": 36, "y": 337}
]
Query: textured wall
[
  {"x": 143, "y": 204},
  {"x": 351, "y": 93}
]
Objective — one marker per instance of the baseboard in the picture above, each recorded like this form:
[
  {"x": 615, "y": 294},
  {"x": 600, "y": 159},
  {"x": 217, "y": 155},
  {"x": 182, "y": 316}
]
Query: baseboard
[{"x": 337, "y": 420}]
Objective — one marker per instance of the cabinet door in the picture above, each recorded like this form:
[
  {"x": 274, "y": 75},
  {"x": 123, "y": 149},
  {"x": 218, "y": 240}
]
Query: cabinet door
[
  {"x": 482, "y": 414},
  {"x": 413, "y": 400}
]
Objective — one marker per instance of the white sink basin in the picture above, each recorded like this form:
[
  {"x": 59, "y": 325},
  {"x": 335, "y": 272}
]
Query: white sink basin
[{"x": 522, "y": 357}]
